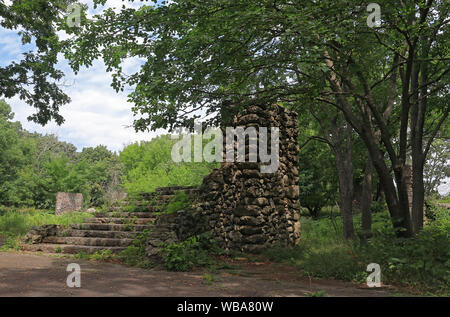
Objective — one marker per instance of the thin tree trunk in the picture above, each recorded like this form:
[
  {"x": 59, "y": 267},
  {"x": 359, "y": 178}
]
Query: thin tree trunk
[
  {"x": 344, "y": 165},
  {"x": 418, "y": 200},
  {"x": 366, "y": 201}
]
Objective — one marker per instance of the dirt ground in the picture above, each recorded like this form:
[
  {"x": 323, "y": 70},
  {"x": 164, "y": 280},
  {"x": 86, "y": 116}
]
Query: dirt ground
[{"x": 28, "y": 274}]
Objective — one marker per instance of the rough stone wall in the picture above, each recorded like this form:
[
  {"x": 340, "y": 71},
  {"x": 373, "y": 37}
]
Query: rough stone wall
[
  {"x": 68, "y": 202},
  {"x": 174, "y": 228},
  {"x": 248, "y": 210}
]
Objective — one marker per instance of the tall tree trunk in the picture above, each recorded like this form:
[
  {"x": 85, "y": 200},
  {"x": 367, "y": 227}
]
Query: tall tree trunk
[
  {"x": 418, "y": 110},
  {"x": 344, "y": 165},
  {"x": 401, "y": 178},
  {"x": 366, "y": 201},
  {"x": 396, "y": 196},
  {"x": 338, "y": 135},
  {"x": 418, "y": 199}
]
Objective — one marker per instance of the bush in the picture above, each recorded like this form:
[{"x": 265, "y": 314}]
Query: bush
[
  {"x": 190, "y": 253},
  {"x": 134, "y": 255},
  {"x": 149, "y": 165},
  {"x": 179, "y": 201},
  {"x": 421, "y": 262},
  {"x": 103, "y": 255}
]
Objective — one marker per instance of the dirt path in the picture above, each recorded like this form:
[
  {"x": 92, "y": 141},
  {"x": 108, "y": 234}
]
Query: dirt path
[{"x": 26, "y": 274}]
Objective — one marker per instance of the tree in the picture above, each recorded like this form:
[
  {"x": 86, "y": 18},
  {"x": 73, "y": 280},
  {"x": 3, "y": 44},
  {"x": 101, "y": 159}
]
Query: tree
[
  {"x": 317, "y": 173},
  {"x": 99, "y": 153},
  {"x": 35, "y": 77},
  {"x": 197, "y": 54},
  {"x": 338, "y": 135},
  {"x": 148, "y": 165},
  {"x": 10, "y": 152}
]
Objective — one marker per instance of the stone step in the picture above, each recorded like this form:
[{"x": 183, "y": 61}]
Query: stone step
[
  {"x": 98, "y": 234},
  {"x": 171, "y": 190},
  {"x": 139, "y": 209},
  {"x": 100, "y": 242},
  {"x": 164, "y": 199},
  {"x": 136, "y": 221},
  {"x": 109, "y": 227},
  {"x": 68, "y": 248},
  {"x": 124, "y": 214},
  {"x": 175, "y": 188}
]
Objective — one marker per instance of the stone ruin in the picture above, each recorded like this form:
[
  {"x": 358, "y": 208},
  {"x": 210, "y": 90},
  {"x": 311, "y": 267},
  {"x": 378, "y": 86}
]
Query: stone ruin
[
  {"x": 244, "y": 209},
  {"x": 68, "y": 202},
  {"x": 248, "y": 210}
]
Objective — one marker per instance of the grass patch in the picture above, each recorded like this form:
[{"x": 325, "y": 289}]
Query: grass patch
[
  {"x": 445, "y": 200},
  {"x": 15, "y": 223}
]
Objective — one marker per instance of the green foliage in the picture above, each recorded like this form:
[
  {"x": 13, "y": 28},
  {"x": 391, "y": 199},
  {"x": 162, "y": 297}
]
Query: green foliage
[
  {"x": 149, "y": 165},
  {"x": 14, "y": 223},
  {"x": 34, "y": 167},
  {"x": 82, "y": 255},
  {"x": 210, "y": 279},
  {"x": 317, "y": 175},
  {"x": 178, "y": 202},
  {"x": 445, "y": 200},
  {"x": 378, "y": 206},
  {"x": 33, "y": 75},
  {"x": 134, "y": 255},
  {"x": 103, "y": 255},
  {"x": 193, "y": 252},
  {"x": 316, "y": 294},
  {"x": 421, "y": 262},
  {"x": 431, "y": 210}
]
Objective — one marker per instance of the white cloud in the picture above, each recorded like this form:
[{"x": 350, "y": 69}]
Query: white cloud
[{"x": 96, "y": 114}]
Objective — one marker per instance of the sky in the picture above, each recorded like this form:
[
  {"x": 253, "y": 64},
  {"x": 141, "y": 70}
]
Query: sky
[{"x": 96, "y": 115}]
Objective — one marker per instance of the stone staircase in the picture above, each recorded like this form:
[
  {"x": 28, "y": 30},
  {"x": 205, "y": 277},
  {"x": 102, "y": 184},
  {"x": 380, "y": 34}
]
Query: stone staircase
[{"x": 112, "y": 230}]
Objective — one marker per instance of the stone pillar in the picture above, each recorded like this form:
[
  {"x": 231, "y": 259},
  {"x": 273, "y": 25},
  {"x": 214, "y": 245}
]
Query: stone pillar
[
  {"x": 249, "y": 210},
  {"x": 68, "y": 202}
]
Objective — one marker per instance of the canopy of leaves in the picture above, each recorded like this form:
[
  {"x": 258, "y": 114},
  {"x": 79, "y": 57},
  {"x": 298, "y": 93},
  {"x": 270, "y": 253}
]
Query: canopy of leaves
[
  {"x": 198, "y": 53},
  {"x": 35, "y": 78}
]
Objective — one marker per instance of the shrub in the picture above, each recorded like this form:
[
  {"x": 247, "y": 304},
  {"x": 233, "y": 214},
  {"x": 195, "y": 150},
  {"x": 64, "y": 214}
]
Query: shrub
[
  {"x": 103, "y": 255},
  {"x": 134, "y": 255},
  {"x": 421, "y": 262},
  {"x": 178, "y": 202},
  {"x": 190, "y": 253}
]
